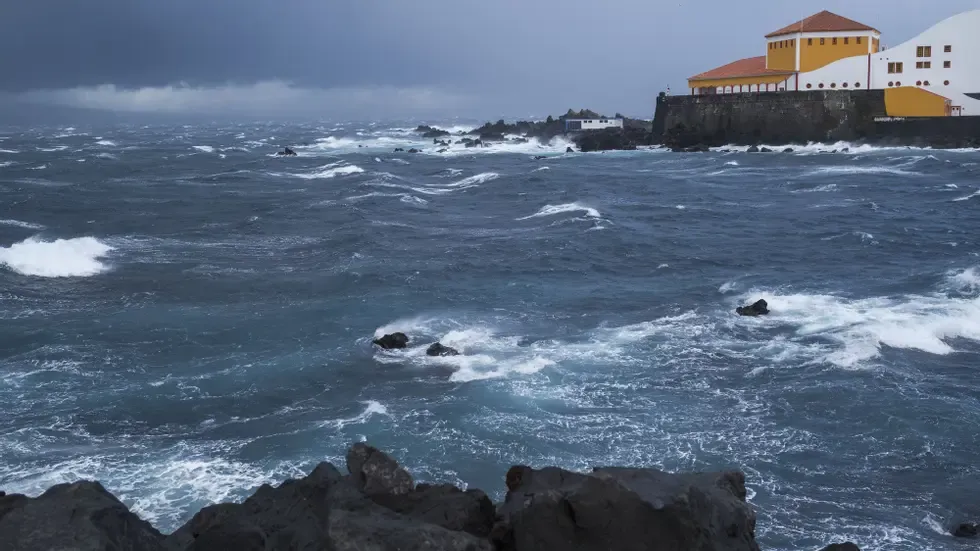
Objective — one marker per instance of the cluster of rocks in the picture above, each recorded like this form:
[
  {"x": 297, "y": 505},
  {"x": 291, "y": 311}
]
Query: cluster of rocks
[
  {"x": 396, "y": 341},
  {"x": 378, "y": 506},
  {"x": 758, "y": 308},
  {"x": 286, "y": 153}
]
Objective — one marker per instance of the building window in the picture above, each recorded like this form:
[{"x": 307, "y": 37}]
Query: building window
[
  {"x": 894, "y": 67},
  {"x": 820, "y": 85},
  {"x": 898, "y": 83},
  {"x": 792, "y": 43},
  {"x": 890, "y": 84},
  {"x": 809, "y": 42},
  {"x": 809, "y": 85},
  {"x": 822, "y": 41},
  {"x": 846, "y": 39},
  {"x": 923, "y": 51},
  {"x": 833, "y": 41},
  {"x": 945, "y": 83},
  {"x": 923, "y": 65},
  {"x": 918, "y": 83},
  {"x": 926, "y": 83},
  {"x": 859, "y": 40},
  {"x": 833, "y": 85},
  {"x": 947, "y": 64},
  {"x": 947, "y": 48},
  {"x": 857, "y": 84},
  {"x": 844, "y": 85}
]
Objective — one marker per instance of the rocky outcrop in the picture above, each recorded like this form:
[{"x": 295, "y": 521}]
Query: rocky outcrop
[
  {"x": 438, "y": 349},
  {"x": 965, "y": 530},
  {"x": 431, "y": 131},
  {"x": 624, "y": 509},
  {"x": 848, "y": 546},
  {"x": 82, "y": 517},
  {"x": 378, "y": 507},
  {"x": 758, "y": 308},
  {"x": 286, "y": 153},
  {"x": 392, "y": 341}
]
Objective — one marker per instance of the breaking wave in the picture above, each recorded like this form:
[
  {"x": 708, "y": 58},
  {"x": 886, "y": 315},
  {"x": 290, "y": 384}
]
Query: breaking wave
[
  {"x": 78, "y": 257},
  {"x": 551, "y": 210}
]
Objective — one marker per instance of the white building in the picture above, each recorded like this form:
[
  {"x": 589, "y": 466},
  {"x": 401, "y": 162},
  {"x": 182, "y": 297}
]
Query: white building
[{"x": 572, "y": 125}]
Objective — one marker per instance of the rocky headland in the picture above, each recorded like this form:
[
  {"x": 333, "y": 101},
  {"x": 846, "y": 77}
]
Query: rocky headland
[
  {"x": 635, "y": 133},
  {"x": 378, "y": 506}
]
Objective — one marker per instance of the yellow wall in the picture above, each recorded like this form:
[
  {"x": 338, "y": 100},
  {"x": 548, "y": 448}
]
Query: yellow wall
[
  {"x": 909, "y": 101},
  {"x": 715, "y": 83},
  {"x": 815, "y": 56},
  {"x": 783, "y": 59}
]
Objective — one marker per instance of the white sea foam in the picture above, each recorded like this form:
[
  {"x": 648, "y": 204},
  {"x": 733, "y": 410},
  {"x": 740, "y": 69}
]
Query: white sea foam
[
  {"x": 20, "y": 224},
  {"x": 331, "y": 171},
  {"x": 843, "y": 170},
  {"x": 818, "y": 189},
  {"x": 6, "y": 164},
  {"x": 78, "y": 257},
  {"x": 551, "y": 210},
  {"x": 851, "y": 332},
  {"x": 371, "y": 409},
  {"x": 540, "y": 169},
  {"x": 728, "y": 287},
  {"x": 109, "y": 143},
  {"x": 204, "y": 148},
  {"x": 39, "y": 167},
  {"x": 11, "y": 151},
  {"x": 53, "y": 149},
  {"x": 968, "y": 197},
  {"x": 732, "y": 163}
]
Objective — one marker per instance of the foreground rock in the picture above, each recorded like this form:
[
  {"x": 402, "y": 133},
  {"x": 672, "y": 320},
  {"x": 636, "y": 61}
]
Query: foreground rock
[
  {"x": 379, "y": 507},
  {"x": 286, "y": 153},
  {"x": 82, "y": 517},
  {"x": 759, "y": 308},
  {"x": 438, "y": 349},
  {"x": 624, "y": 509},
  {"x": 848, "y": 546},
  {"x": 392, "y": 341}
]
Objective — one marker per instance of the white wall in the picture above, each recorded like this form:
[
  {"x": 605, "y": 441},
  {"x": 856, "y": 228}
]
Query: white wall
[
  {"x": 852, "y": 70},
  {"x": 962, "y": 32},
  {"x": 596, "y": 124}
]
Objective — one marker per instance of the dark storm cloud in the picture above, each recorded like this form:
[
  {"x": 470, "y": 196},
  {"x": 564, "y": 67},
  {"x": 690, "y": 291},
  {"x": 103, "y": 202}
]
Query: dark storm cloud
[{"x": 508, "y": 56}]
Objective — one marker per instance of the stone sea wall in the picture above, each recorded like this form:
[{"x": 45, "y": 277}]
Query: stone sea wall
[{"x": 799, "y": 118}]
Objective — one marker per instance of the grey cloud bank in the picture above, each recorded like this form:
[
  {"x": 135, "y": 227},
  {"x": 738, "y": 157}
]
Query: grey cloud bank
[{"x": 387, "y": 57}]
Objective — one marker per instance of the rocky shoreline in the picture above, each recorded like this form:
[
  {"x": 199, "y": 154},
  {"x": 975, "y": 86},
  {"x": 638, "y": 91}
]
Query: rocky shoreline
[{"x": 378, "y": 506}]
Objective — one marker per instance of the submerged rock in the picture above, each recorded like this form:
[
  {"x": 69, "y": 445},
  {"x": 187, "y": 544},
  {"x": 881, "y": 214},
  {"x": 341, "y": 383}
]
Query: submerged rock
[
  {"x": 413, "y": 150},
  {"x": 788, "y": 150},
  {"x": 392, "y": 341},
  {"x": 286, "y": 153},
  {"x": 759, "y": 308},
  {"x": 765, "y": 150},
  {"x": 399, "y": 149},
  {"x": 624, "y": 509},
  {"x": 965, "y": 530},
  {"x": 437, "y": 349}
]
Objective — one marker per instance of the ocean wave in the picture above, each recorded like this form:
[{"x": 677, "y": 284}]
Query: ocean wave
[
  {"x": 371, "y": 409},
  {"x": 108, "y": 143},
  {"x": 331, "y": 171},
  {"x": 10, "y": 151},
  {"x": 20, "y": 224},
  {"x": 551, "y": 210},
  {"x": 843, "y": 170},
  {"x": 77, "y": 257},
  {"x": 5, "y": 164},
  {"x": 203, "y": 148},
  {"x": 968, "y": 197}
]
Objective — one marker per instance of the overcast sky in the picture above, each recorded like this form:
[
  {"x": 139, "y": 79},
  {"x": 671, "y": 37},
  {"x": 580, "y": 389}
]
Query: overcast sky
[{"x": 391, "y": 58}]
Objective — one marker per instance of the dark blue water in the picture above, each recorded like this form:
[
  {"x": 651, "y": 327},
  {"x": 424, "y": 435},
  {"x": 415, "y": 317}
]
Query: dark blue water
[{"x": 184, "y": 323}]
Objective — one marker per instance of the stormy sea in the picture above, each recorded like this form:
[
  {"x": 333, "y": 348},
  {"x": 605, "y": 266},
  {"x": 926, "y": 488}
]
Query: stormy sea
[{"x": 185, "y": 316}]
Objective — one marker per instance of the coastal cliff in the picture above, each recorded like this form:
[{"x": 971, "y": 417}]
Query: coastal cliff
[
  {"x": 694, "y": 122},
  {"x": 378, "y": 506}
]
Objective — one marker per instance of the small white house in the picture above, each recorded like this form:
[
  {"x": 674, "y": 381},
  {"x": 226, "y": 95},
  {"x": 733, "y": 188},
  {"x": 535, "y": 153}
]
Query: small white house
[{"x": 572, "y": 125}]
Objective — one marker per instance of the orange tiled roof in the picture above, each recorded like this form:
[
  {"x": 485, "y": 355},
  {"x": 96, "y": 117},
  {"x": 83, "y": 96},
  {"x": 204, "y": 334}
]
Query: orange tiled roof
[
  {"x": 749, "y": 67},
  {"x": 824, "y": 21}
]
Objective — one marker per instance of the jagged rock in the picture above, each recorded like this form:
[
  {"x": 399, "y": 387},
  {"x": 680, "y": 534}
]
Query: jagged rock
[
  {"x": 624, "y": 509},
  {"x": 788, "y": 150},
  {"x": 847, "y": 546},
  {"x": 321, "y": 512},
  {"x": 286, "y": 153},
  {"x": 758, "y": 308},
  {"x": 753, "y": 149},
  {"x": 431, "y": 131},
  {"x": 81, "y": 517},
  {"x": 375, "y": 472},
  {"x": 765, "y": 150},
  {"x": 443, "y": 150},
  {"x": 569, "y": 150},
  {"x": 413, "y": 150},
  {"x": 846, "y": 150},
  {"x": 392, "y": 341},
  {"x": 444, "y": 505},
  {"x": 965, "y": 530},
  {"x": 398, "y": 149},
  {"x": 437, "y": 349}
]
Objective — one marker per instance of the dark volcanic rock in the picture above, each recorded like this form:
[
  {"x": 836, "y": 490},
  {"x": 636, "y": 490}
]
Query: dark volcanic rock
[
  {"x": 375, "y": 472},
  {"x": 437, "y": 349},
  {"x": 286, "y": 153},
  {"x": 444, "y": 505},
  {"x": 569, "y": 150},
  {"x": 398, "y": 149},
  {"x": 413, "y": 150},
  {"x": 753, "y": 149},
  {"x": 81, "y": 517},
  {"x": 965, "y": 530},
  {"x": 765, "y": 150},
  {"x": 788, "y": 150},
  {"x": 624, "y": 509},
  {"x": 392, "y": 341},
  {"x": 848, "y": 546},
  {"x": 431, "y": 131},
  {"x": 758, "y": 308},
  {"x": 321, "y": 512}
]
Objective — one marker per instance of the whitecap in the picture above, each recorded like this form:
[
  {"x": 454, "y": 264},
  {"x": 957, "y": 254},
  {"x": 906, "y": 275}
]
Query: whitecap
[
  {"x": 77, "y": 257},
  {"x": 331, "y": 171},
  {"x": 968, "y": 197},
  {"x": 551, "y": 210},
  {"x": 109, "y": 143},
  {"x": 371, "y": 409},
  {"x": 204, "y": 148},
  {"x": 21, "y": 224}
]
